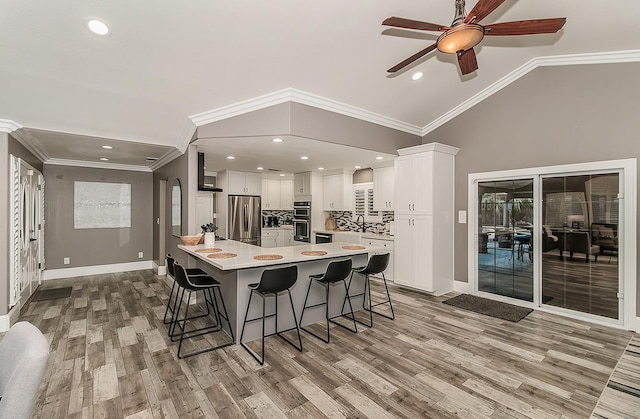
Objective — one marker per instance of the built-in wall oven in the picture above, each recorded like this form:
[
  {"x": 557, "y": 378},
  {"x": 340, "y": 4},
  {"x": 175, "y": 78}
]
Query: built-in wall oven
[{"x": 302, "y": 221}]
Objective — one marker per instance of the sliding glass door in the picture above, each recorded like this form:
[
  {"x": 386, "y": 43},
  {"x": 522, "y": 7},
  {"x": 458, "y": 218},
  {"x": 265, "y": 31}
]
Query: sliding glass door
[
  {"x": 505, "y": 238},
  {"x": 580, "y": 246}
]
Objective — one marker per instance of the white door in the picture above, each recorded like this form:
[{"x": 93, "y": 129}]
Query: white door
[{"x": 28, "y": 230}]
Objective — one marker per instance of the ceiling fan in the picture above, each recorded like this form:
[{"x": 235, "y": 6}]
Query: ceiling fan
[{"x": 465, "y": 32}]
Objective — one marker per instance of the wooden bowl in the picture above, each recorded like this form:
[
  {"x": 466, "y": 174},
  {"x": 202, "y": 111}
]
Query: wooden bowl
[{"x": 190, "y": 240}]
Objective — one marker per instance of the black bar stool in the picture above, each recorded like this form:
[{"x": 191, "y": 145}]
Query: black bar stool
[
  {"x": 191, "y": 284},
  {"x": 377, "y": 264},
  {"x": 337, "y": 271},
  {"x": 190, "y": 271},
  {"x": 273, "y": 282}
]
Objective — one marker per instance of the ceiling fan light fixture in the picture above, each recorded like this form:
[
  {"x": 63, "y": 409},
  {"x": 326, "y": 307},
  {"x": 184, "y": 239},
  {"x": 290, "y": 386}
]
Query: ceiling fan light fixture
[{"x": 459, "y": 38}]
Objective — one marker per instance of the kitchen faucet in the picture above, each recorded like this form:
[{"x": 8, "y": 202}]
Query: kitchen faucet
[{"x": 362, "y": 225}]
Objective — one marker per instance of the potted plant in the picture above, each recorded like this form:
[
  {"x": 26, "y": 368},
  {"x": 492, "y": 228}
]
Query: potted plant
[{"x": 209, "y": 231}]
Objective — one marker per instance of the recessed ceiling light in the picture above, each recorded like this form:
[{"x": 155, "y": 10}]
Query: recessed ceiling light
[
  {"x": 259, "y": 168},
  {"x": 281, "y": 174},
  {"x": 304, "y": 158},
  {"x": 98, "y": 27},
  {"x": 230, "y": 158},
  {"x": 379, "y": 158},
  {"x": 277, "y": 140},
  {"x": 320, "y": 168},
  {"x": 357, "y": 167},
  {"x": 417, "y": 75},
  {"x": 107, "y": 147},
  {"x": 104, "y": 159}
]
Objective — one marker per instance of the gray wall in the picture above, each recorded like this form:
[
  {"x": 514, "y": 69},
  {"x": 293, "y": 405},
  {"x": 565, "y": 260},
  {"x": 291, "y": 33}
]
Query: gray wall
[
  {"x": 89, "y": 247},
  {"x": 553, "y": 115},
  {"x": 176, "y": 169}
]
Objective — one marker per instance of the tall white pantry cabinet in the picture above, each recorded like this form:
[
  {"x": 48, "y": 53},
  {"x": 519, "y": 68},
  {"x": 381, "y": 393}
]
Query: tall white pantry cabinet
[{"x": 424, "y": 217}]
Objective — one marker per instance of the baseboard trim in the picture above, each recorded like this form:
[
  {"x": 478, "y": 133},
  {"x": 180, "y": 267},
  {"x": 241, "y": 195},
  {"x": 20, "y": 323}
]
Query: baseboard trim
[
  {"x": 637, "y": 324},
  {"x": 160, "y": 270},
  {"x": 6, "y": 320},
  {"x": 459, "y": 286},
  {"x": 96, "y": 270}
]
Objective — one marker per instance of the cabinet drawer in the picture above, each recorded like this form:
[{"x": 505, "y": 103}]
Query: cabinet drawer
[
  {"x": 387, "y": 244},
  {"x": 270, "y": 233}
]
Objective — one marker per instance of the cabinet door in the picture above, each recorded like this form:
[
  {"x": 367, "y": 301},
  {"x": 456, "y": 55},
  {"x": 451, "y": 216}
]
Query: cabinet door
[
  {"x": 283, "y": 238},
  {"x": 383, "y": 188},
  {"x": 236, "y": 183},
  {"x": 332, "y": 189},
  {"x": 405, "y": 184},
  {"x": 423, "y": 262},
  {"x": 423, "y": 183},
  {"x": 271, "y": 194},
  {"x": 286, "y": 194},
  {"x": 253, "y": 184},
  {"x": 302, "y": 183},
  {"x": 404, "y": 250}
]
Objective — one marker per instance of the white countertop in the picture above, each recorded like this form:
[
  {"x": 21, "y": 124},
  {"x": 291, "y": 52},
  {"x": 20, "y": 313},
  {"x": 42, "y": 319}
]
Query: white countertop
[
  {"x": 280, "y": 227},
  {"x": 290, "y": 254},
  {"x": 365, "y": 235}
]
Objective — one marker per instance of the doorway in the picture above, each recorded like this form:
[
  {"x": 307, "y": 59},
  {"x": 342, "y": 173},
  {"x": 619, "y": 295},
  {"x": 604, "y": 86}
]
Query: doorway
[
  {"x": 27, "y": 230},
  {"x": 555, "y": 238}
]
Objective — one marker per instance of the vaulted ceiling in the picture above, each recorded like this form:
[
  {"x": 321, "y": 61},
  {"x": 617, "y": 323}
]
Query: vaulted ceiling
[{"x": 167, "y": 60}]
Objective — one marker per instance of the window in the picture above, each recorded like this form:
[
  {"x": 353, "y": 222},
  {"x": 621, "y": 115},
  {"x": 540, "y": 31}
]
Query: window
[{"x": 363, "y": 203}]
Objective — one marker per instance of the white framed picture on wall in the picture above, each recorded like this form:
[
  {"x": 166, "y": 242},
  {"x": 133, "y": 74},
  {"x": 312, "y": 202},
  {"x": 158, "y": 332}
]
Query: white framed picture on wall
[{"x": 101, "y": 205}]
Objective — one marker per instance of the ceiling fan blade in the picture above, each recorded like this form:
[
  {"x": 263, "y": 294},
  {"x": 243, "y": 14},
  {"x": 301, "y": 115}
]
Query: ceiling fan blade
[
  {"x": 482, "y": 9},
  {"x": 526, "y": 27},
  {"x": 411, "y": 59},
  {"x": 400, "y": 22},
  {"x": 467, "y": 61}
]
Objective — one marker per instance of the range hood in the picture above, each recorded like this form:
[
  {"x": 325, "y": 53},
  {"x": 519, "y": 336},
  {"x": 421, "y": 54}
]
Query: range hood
[{"x": 201, "y": 185}]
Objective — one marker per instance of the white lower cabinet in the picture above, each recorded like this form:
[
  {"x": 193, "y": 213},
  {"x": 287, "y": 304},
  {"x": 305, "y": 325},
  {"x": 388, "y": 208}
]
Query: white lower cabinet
[
  {"x": 414, "y": 250},
  {"x": 269, "y": 238},
  {"x": 388, "y": 245}
]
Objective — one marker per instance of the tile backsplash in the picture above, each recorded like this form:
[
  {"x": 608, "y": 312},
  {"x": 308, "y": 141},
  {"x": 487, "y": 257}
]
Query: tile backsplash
[
  {"x": 284, "y": 216},
  {"x": 345, "y": 221}
]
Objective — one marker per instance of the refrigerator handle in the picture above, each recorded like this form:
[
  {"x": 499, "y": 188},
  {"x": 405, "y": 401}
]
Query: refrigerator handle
[{"x": 246, "y": 217}]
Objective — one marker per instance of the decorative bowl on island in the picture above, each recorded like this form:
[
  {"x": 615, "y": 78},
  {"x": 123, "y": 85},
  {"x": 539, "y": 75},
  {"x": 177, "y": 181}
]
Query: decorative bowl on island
[{"x": 191, "y": 240}]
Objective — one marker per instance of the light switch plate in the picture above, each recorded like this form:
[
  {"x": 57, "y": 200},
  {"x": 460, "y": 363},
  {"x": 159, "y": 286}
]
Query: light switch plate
[
  {"x": 140, "y": 255},
  {"x": 462, "y": 217}
]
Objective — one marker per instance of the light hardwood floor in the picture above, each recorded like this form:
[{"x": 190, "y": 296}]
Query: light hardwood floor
[{"x": 110, "y": 357}]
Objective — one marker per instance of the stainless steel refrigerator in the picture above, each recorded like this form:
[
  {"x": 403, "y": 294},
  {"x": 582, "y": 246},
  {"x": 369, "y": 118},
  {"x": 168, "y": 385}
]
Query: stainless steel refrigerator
[{"x": 244, "y": 219}]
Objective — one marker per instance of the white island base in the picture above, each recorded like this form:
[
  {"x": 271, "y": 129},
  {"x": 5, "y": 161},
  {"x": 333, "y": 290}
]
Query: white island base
[{"x": 235, "y": 274}]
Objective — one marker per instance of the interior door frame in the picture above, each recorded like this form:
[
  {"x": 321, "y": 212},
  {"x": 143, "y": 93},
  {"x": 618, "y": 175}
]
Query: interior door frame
[{"x": 627, "y": 234}]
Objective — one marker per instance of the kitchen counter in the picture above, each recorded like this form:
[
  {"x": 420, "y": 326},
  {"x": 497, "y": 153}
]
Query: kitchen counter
[
  {"x": 365, "y": 235},
  {"x": 290, "y": 254},
  {"x": 235, "y": 274}
]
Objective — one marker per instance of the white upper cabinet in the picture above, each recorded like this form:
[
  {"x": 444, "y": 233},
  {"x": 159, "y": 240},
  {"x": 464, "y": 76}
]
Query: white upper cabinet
[
  {"x": 277, "y": 194},
  {"x": 336, "y": 192},
  {"x": 243, "y": 183},
  {"x": 270, "y": 194},
  {"x": 383, "y": 188},
  {"x": 286, "y": 194},
  {"x": 414, "y": 181},
  {"x": 302, "y": 183}
]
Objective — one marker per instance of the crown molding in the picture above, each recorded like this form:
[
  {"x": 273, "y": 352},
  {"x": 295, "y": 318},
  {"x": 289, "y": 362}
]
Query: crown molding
[
  {"x": 9, "y": 126},
  {"x": 298, "y": 96},
  {"x": 32, "y": 144},
  {"x": 166, "y": 158},
  {"x": 186, "y": 135},
  {"x": 98, "y": 165},
  {"x": 558, "y": 60}
]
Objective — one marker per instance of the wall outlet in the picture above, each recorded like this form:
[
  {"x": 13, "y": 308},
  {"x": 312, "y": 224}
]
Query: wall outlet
[
  {"x": 140, "y": 255},
  {"x": 66, "y": 261}
]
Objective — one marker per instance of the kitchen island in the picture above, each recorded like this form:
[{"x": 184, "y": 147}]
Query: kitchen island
[{"x": 236, "y": 265}]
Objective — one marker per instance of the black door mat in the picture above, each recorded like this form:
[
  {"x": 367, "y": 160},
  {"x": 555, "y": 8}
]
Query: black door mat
[
  {"x": 487, "y": 307},
  {"x": 52, "y": 294}
]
